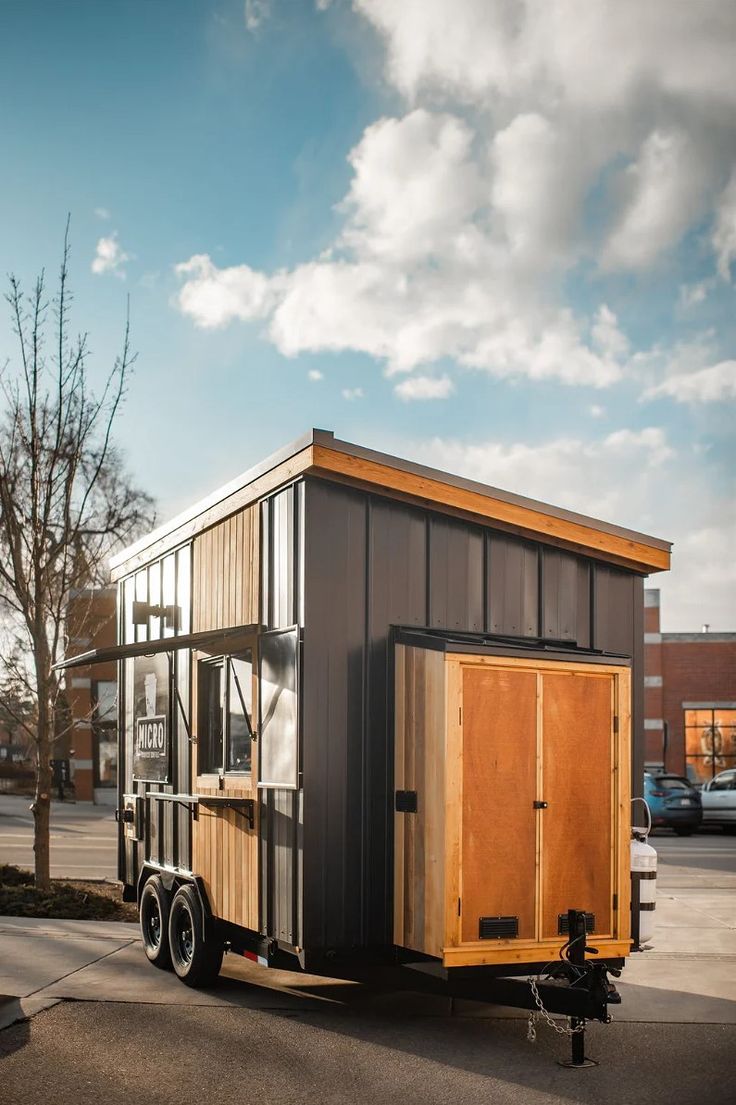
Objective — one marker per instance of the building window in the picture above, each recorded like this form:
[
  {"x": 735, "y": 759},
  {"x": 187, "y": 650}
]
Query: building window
[
  {"x": 225, "y": 737},
  {"x": 105, "y": 733},
  {"x": 710, "y": 741}
]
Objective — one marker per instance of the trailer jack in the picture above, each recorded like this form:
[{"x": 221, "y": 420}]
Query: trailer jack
[{"x": 572, "y": 986}]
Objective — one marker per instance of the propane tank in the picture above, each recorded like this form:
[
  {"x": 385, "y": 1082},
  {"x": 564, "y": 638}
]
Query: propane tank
[{"x": 643, "y": 884}]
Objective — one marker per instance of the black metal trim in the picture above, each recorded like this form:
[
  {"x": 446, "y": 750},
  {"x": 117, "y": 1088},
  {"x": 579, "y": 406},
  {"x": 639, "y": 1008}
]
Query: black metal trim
[
  {"x": 163, "y": 644},
  {"x": 406, "y": 801},
  {"x": 490, "y": 644}
]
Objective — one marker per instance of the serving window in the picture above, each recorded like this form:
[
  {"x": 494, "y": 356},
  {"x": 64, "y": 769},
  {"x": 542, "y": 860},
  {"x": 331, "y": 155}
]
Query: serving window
[{"x": 226, "y": 724}]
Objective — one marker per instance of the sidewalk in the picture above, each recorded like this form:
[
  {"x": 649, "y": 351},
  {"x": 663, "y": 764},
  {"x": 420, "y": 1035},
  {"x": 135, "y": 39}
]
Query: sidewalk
[{"x": 689, "y": 977}]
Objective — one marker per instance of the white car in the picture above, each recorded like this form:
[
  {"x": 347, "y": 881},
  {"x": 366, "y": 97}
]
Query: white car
[{"x": 719, "y": 800}]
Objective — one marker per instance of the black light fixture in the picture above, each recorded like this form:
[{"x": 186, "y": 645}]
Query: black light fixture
[{"x": 142, "y": 611}]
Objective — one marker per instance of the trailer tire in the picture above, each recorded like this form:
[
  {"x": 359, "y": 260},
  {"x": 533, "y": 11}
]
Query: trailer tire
[
  {"x": 196, "y": 951},
  {"x": 153, "y": 914}
]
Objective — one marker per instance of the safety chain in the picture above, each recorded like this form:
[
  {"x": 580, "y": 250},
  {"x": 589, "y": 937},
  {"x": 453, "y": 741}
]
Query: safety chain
[{"x": 531, "y": 1029}]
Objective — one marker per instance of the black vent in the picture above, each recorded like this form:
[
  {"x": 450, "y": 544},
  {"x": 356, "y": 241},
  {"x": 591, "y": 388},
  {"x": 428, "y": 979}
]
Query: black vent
[
  {"x": 498, "y": 928},
  {"x": 563, "y": 923}
]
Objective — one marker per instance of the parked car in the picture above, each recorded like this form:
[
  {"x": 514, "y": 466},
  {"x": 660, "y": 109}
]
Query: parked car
[
  {"x": 673, "y": 802},
  {"x": 718, "y": 797}
]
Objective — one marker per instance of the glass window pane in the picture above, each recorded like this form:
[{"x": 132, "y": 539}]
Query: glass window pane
[
  {"x": 240, "y": 712},
  {"x": 211, "y": 692},
  {"x": 168, "y": 596},
  {"x": 183, "y": 588},
  {"x": 710, "y": 740},
  {"x": 107, "y": 760},
  {"x": 151, "y": 718},
  {"x": 154, "y": 599},
  {"x": 106, "y": 699}
]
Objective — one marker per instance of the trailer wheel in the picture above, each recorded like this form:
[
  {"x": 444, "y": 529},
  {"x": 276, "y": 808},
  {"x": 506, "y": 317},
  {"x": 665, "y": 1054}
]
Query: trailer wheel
[
  {"x": 196, "y": 959},
  {"x": 154, "y": 920}
]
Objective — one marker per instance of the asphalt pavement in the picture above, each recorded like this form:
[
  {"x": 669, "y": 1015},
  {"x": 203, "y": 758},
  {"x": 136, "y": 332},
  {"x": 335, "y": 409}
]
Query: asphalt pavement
[
  {"x": 106, "y": 1026},
  {"x": 83, "y": 838}
]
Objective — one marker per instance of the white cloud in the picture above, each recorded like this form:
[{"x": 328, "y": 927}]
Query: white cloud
[
  {"x": 708, "y": 385},
  {"x": 595, "y": 410},
  {"x": 415, "y": 186},
  {"x": 665, "y": 190},
  {"x": 110, "y": 257},
  {"x": 536, "y": 188},
  {"x": 352, "y": 393},
  {"x": 724, "y": 230},
  {"x": 692, "y": 294},
  {"x": 256, "y": 13},
  {"x": 314, "y": 375},
  {"x": 558, "y": 50},
  {"x": 424, "y": 387},
  {"x": 610, "y": 478},
  {"x": 102, "y": 213},
  {"x": 213, "y": 297},
  {"x": 465, "y": 216},
  {"x": 702, "y": 584}
]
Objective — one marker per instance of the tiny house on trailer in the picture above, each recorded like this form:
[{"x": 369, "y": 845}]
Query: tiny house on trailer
[{"x": 371, "y": 711}]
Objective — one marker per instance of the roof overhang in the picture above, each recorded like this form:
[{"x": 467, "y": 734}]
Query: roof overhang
[{"x": 322, "y": 455}]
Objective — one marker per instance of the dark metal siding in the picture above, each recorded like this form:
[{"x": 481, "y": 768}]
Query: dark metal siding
[
  {"x": 456, "y": 583},
  {"x": 512, "y": 586},
  {"x": 370, "y": 563}
]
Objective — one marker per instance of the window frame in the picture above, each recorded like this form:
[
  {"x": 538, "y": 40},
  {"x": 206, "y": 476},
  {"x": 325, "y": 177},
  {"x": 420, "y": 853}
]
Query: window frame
[{"x": 223, "y": 662}]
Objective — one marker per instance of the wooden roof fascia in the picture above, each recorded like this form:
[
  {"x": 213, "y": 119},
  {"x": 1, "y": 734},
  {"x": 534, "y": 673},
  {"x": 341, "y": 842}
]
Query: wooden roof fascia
[
  {"x": 320, "y": 454},
  {"x": 534, "y": 524}
]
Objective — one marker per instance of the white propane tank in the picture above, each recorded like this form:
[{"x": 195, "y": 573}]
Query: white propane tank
[{"x": 643, "y": 884}]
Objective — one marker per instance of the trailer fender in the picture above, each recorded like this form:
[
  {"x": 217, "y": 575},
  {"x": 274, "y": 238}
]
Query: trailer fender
[{"x": 172, "y": 880}]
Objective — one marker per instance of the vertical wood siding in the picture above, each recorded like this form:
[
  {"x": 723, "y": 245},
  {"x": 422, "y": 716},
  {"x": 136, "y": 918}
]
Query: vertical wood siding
[
  {"x": 225, "y": 588},
  {"x": 226, "y": 856}
]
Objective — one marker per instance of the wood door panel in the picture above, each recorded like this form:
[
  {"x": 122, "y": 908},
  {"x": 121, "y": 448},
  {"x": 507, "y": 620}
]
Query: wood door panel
[
  {"x": 577, "y": 839},
  {"x": 499, "y": 787}
]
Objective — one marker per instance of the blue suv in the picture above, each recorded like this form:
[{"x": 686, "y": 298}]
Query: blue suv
[{"x": 673, "y": 802}]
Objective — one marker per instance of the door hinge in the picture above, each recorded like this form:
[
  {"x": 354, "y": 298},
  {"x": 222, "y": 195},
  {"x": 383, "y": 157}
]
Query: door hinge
[
  {"x": 615, "y": 902},
  {"x": 615, "y": 723},
  {"x": 459, "y": 906},
  {"x": 459, "y": 715}
]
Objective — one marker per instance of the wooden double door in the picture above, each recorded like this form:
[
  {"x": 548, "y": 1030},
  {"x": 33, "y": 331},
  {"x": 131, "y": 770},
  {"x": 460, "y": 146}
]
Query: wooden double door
[{"x": 538, "y": 754}]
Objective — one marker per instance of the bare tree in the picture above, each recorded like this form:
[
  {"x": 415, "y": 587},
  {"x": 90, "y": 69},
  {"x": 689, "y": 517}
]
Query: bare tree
[{"x": 65, "y": 502}]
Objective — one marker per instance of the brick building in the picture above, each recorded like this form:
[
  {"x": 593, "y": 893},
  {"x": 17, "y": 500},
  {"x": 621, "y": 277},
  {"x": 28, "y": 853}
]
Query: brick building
[
  {"x": 689, "y": 697},
  {"x": 92, "y": 744}
]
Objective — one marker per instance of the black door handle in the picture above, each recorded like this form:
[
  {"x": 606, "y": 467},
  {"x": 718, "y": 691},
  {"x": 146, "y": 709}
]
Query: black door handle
[{"x": 540, "y": 806}]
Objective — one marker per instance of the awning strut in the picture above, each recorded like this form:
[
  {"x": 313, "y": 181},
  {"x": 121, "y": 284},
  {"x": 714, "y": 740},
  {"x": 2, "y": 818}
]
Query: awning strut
[{"x": 204, "y": 640}]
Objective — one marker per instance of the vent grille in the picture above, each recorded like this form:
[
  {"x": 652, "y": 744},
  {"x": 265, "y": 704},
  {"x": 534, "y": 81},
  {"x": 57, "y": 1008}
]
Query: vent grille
[
  {"x": 498, "y": 928},
  {"x": 563, "y": 923}
]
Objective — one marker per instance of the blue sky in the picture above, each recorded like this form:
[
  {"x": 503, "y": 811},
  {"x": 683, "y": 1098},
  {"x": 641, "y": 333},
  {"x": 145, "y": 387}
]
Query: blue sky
[{"x": 469, "y": 241}]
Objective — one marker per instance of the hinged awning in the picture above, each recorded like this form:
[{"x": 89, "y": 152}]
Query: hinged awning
[{"x": 213, "y": 640}]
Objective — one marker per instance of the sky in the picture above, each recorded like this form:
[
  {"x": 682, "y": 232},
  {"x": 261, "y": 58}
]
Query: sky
[{"x": 494, "y": 236}]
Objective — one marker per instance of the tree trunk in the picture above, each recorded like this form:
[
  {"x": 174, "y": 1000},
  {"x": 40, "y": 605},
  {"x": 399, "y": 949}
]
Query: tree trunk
[{"x": 42, "y": 800}]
